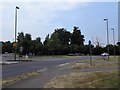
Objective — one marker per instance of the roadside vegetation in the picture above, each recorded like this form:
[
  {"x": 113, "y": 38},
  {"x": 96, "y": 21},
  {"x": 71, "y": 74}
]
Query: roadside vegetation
[
  {"x": 12, "y": 80},
  {"x": 94, "y": 79},
  {"x": 60, "y": 42},
  {"x": 113, "y": 61},
  {"x": 101, "y": 79}
]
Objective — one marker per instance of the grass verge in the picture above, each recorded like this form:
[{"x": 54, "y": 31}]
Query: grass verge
[
  {"x": 10, "y": 81},
  {"x": 101, "y": 79},
  {"x": 95, "y": 63}
]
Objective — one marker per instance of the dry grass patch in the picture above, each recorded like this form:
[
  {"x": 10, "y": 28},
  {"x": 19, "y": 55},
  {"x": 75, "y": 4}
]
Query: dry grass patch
[
  {"x": 95, "y": 63},
  {"x": 79, "y": 66},
  {"x": 106, "y": 79},
  {"x": 84, "y": 66}
]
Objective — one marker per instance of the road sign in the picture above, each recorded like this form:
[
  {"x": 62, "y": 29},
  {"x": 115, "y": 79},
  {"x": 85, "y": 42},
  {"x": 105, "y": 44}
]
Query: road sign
[{"x": 14, "y": 44}]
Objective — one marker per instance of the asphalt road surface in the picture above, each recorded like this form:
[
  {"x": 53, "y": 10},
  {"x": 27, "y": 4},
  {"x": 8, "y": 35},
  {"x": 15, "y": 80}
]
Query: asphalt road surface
[{"x": 37, "y": 63}]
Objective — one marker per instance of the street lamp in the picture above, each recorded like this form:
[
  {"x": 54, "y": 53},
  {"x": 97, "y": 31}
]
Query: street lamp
[
  {"x": 107, "y": 37},
  {"x": 16, "y": 8},
  {"x": 113, "y": 39}
]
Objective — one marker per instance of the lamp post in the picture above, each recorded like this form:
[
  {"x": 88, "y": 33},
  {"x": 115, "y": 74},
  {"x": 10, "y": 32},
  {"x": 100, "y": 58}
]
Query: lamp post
[
  {"x": 113, "y": 39},
  {"x": 107, "y": 37},
  {"x": 16, "y": 8}
]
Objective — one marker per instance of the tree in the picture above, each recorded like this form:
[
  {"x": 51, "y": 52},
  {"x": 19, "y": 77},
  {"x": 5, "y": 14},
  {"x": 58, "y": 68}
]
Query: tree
[
  {"x": 118, "y": 43},
  {"x": 45, "y": 45},
  {"x": 63, "y": 35},
  {"x": 98, "y": 50},
  {"x": 97, "y": 42},
  {"x": 36, "y": 46},
  {"x": 117, "y": 48},
  {"x": 7, "y": 47},
  {"x": 27, "y": 44},
  {"x": 54, "y": 44},
  {"x": 46, "y": 40},
  {"x": 77, "y": 38},
  {"x": 20, "y": 39}
]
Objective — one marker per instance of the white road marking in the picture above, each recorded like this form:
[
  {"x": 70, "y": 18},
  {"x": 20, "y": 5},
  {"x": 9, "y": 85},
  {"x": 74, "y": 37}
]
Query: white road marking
[
  {"x": 63, "y": 64},
  {"x": 80, "y": 63},
  {"x": 42, "y": 70},
  {"x": 8, "y": 62}
]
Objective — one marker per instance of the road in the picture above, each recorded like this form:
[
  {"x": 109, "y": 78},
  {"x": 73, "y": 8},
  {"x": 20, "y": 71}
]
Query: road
[
  {"x": 60, "y": 68},
  {"x": 37, "y": 64}
]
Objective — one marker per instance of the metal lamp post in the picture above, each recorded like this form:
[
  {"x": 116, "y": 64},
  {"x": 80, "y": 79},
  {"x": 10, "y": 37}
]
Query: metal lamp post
[
  {"x": 15, "y": 29},
  {"x": 113, "y": 39},
  {"x": 107, "y": 37}
]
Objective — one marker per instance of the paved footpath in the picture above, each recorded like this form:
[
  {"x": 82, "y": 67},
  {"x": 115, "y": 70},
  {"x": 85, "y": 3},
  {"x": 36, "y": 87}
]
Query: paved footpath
[{"x": 55, "y": 71}]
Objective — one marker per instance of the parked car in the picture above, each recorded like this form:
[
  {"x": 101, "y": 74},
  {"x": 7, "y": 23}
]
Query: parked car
[
  {"x": 104, "y": 54},
  {"x": 70, "y": 54}
]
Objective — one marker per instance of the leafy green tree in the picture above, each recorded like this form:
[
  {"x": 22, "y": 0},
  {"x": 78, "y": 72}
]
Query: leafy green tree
[
  {"x": 45, "y": 45},
  {"x": 46, "y": 40},
  {"x": 98, "y": 50},
  {"x": 27, "y": 42},
  {"x": 20, "y": 39},
  {"x": 77, "y": 38},
  {"x": 7, "y": 47},
  {"x": 54, "y": 44},
  {"x": 63, "y": 35},
  {"x": 36, "y": 46}
]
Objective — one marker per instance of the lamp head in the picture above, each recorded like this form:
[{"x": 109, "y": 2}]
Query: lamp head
[
  {"x": 17, "y": 7},
  {"x": 112, "y": 28},
  {"x": 105, "y": 19}
]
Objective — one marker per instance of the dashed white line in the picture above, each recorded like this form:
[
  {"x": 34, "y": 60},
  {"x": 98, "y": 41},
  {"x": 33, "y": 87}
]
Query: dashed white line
[
  {"x": 8, "y": 62},
  {"x": 42, "y": 69},
  {"x": 63, "y": 64}
]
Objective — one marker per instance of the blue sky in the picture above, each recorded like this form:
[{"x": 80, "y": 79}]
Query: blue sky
[{"x": 41, "y": 18}]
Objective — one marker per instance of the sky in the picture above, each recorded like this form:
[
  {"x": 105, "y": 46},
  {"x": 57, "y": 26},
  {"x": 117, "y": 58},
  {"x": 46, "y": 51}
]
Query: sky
[{"x": 40, "y": 18}]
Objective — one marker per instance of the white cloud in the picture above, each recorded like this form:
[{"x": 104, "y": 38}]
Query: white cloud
[
  {"x": 33, "y": 17},
  {"x": 40, "y": 15}
]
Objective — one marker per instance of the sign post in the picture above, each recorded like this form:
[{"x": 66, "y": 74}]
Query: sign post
[
  {"x": 90, "y": 52},
  {"x": 21, "y": 49}
]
